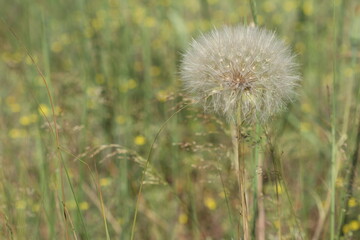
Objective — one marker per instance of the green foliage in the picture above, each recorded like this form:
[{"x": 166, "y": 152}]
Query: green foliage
[{"x": 112, "y": 71}]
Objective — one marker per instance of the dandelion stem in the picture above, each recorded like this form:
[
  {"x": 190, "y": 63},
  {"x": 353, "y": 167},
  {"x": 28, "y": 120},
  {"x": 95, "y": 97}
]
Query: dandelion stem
[{"x": 239, "y": 163}]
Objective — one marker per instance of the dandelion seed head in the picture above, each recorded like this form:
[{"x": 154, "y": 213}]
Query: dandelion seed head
[{"x": 240, "y": 72}]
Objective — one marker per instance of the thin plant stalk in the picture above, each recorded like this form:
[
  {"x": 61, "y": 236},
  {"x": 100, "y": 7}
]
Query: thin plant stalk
[
  {"x": 239, "y": 163},
  {"x": 333, "y": 131},
  {"x": 258, "y": 209},
  {"x": 259, "y": 213},
  {"x": 253, "y": 11}
]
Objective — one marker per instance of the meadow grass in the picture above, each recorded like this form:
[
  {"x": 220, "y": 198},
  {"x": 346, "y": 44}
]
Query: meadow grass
[{"x": 73, "y": 151}]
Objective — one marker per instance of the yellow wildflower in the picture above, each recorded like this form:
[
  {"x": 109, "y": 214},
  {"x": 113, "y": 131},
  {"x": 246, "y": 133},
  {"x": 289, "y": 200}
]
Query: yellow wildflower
[
  {"x": 346, "y": 228},
  {"x": 56, "y": 47},
  {"x": 70, "y": 204},
  {"x": 21, "y": 204},
  {"x": 277, "y": 224},
  {"x": 289, "y": 6},
  {"x": 36, "y": 207},
  {"x": 139, "y": 140},
  {"x": 105, "y": 182},
  {"x": 269, "y": 6},
  {"x": 278, "y": 188},
  {"x": 183, "y": 218},
  {"x": 44, "y": 109},
  {"x": 161, "y": 96},
  {"x": 354, "y": 225},
  {"x": 210, "y": 203},
  {"x": 308, "y": 8},
  {"x": 84, "y": 206},
  {"x": 16, "y": 133},
  {"x": 339, "y": 182},
  {"x": 155, "y": 71},
  {"x": 305, "y": 126},
  {"x": 120, "y": 119},
  {"x": 132, "y": 84},
  {"x": 150, "y": 22},
  {"x": 352, "y": 202},
  {"x": 28, "y": 119}
]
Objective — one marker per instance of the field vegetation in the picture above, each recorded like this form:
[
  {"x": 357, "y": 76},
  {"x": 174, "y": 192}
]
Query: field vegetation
[{"x": 86, "y": 86}]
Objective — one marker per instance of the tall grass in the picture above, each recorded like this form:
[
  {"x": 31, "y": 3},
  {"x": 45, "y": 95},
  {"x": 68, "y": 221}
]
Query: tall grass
[{"x": 72, "y": 168}]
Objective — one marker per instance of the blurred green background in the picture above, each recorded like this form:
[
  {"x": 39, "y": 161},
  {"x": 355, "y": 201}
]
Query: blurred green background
[{"x": 112, "y": 70}]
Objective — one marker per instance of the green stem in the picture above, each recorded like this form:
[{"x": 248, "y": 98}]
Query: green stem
[
  {"x": 253, "y": 11},
  {"x": 239, "y": 162},
  {"x": 333, "y": 131}
]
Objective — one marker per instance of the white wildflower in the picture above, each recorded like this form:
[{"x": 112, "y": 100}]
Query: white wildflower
[{"x": 243, "y": 73}]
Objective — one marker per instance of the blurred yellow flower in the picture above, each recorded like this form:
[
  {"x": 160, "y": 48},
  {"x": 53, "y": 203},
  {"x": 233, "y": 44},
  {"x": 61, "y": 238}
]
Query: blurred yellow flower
[
  {"x": 354, "y": 225},
  {"x": 16, "y": 133},
  {"x": 150, "y": 22},
  {"x": 18, "y": 57},
  {"x": 132, "y": 84},
  {"x": 120, "y": 119},
  {"x": 339, "y": 182},
  {"x": 155, "y": 71},
  {"x": 305, "y": 127},
  {"x": 28, "y": 119},
  {"x": 352, "y": 202},
  {"x": 277, "y": 224},
  {"x": 161, "y": 96},
  {"x": 56, "y": 47},
  {"x": 36, "y": 207},
  {"x": 346, "y": 228},
  {"x": 97, "y": 23},
  {"x": 306, "y": 107},
  {"x": 210, "y": 203},
  {"x": 289, "y": 6},
  {"x": 21, "y": 204},
  {"x": 222, "y": 194},
  {"x": 212, "y": 2},
  {"x": 139, "y": 14},
  {"x": 128, "y": 85},
  {"x": 269, "y": 6},
  {"x": 278, "y": 188},
  {"x": 70, "y": 204},
  {"x": 84, "y": 206},
  {"x": 15, "y": 107},
  {"x": 183, "y": 218},
  {"x": 29, "y": 61},
  {"x": 139, "y": 140},
  {"x": 308, "y": 8},
  {"x": 44, "y": 110},
  {"x": 105, "y": 182},
  {"x": 277, "y": 18}
]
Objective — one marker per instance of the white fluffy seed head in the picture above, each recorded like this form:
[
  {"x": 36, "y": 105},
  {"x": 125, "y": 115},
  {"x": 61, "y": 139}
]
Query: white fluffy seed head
[{"x": 243, "y": 73}]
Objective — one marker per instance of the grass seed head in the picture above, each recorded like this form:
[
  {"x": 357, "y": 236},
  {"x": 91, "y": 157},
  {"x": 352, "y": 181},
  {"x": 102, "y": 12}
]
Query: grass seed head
[{"x": 243, "y": 73}]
